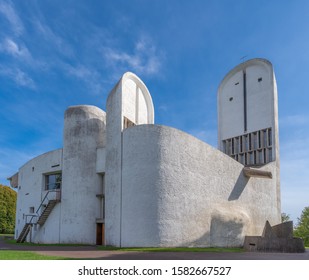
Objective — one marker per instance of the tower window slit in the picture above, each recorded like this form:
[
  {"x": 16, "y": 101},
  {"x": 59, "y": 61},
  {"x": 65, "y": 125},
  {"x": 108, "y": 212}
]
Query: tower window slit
[
  {"x": 269, "y": 137},
  {"x": 264, "y": 138},
  {"x": 241, "y": 146},
  {"x": 269, "y": 155}
]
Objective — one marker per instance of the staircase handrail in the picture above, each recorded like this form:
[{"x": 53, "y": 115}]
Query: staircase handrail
[
  {"x": 36, "y": 214},
  {"x": 43, "y": 202}
]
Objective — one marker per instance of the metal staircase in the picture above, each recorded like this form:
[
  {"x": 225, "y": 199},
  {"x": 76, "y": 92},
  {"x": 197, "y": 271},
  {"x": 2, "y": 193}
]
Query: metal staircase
[
  {"x": 23, "y": 235},
  {"x": 50, "y": 206},
  {"x": 48, "y": 203}
]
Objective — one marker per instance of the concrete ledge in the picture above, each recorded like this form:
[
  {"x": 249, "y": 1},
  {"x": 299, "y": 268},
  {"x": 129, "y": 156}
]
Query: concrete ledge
[{"x": 250, "y": 172}]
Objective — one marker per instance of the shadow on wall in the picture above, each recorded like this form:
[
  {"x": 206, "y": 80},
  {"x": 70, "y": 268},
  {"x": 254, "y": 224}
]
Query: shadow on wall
[
  {"x": 223, "y": 233},
  {"x": 239, "y": 187}
]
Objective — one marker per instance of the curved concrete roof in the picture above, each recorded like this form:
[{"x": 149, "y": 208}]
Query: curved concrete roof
[{"x": 242, "y": 66}]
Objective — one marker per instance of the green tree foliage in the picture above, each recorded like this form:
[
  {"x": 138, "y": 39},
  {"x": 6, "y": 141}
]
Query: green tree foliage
[
  {"x": 302, "y": 228},
  {"x": 7, "y": 209},
  {"x": 285, "y": 217}
]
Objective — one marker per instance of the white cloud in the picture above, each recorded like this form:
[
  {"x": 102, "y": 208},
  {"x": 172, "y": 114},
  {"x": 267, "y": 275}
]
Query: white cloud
[
  {"x": 11, "y": 160},
  {"x": 144, "y": 59},
  {"x": 18, "y": 76},
  {"x": 90, "y": 77},
  {"x": 53, "y": 39},
  {"x": 7, "y": 9},
  {"x": 11, "y": 47}
]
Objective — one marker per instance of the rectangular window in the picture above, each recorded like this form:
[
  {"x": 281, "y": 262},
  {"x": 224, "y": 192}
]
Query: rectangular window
[
  {"x": 255, "y": 141},
  {"x": 127, "y": 123},
  {"x": 246, "y": 143},
  {"x": 270, "y": 155},
  {"x": 269, "y": 137},
  {"x": 228, "y": 147},
  {"x": 251, "y": 148},
  {"x": 259, "y": 139},
  {"x": 264, "y": 138},
  {"x": 260, "y": 157},
  {"x": 31, "y": 210},
  {"x": 53, "y": 181},
  {"x": 236, "y": 145},
  {"x": 264, "y": 156},
  {"x": 240, "y": 144},
  {"x": 241, "y": 158},
  {"x": 251, "y": 158}
]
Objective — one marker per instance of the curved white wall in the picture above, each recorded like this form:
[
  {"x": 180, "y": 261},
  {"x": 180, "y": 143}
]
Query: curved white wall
[
  {"x": 179, "y": 191},
  {"x": 84, "y": 132},
  {"x": 31, "y": 191},
  {"x": 129, "y": 100}
]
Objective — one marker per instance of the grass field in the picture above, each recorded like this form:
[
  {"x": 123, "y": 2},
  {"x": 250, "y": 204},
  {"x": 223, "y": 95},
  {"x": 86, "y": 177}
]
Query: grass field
[
  {"x": 25, "y": 255},
  {"x": 176, "y": 249}
]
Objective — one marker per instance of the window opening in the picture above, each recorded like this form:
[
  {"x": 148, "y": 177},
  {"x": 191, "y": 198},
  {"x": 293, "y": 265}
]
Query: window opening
[
  {"x": 269, "y": 137},
  {"x": 127, "y": 123},
  {"x": 53, "y": 181},
  {"x": 254, "y": 148}
]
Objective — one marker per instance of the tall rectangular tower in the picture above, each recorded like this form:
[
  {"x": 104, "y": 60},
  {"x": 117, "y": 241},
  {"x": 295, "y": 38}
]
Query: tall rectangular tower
[{"x": 248, "y": 113}]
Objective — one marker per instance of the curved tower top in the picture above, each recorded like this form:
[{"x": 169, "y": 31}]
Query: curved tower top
[
  {"x": 133, "y": 101},
  {"x": 248, "y": 113},
  {"x": 128, "y": 104}
]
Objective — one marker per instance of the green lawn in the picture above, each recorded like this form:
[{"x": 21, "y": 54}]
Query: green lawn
[
  {"x": 25, "y": 255},
  {"x": 177, "y": 249}
]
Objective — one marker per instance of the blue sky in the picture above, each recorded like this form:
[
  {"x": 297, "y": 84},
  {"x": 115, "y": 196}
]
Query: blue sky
[{"x": 54, "y": 54}]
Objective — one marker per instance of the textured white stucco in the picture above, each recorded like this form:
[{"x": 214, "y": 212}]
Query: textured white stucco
[
  {"x": 163, "y": 187},
  {"x": 129, "y": 99},
  {"x": 31, "y": 192},
  {"x": 179, "y": 191},
  {"x": 84, "y": 132},
  {"x": 261, "y": 100}
]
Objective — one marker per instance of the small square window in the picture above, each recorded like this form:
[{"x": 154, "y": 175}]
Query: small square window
[
  {"x": 260, "y": 79},
  {"x": 53, "y": 181}
]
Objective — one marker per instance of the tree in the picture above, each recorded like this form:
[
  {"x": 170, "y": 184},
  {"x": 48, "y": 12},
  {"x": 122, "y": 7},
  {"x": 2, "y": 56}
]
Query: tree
[
  {"x": 285, "y": 217},
  {"x": 302, "y": 228},
  {"x": 7, "y": 209}
]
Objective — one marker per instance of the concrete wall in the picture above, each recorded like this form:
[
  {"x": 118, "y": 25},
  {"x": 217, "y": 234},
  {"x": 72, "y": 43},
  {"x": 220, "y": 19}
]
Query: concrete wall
[
  {"x": 84, "y": 132},
  {"x": 261, "y": 100},
  {"x": 163, "y": 187},
  {"x": 31, "y": 191},
  {"x": 179, "y": 191},
  {"x": 262, "y": 107},
  {"x": 129, "y": 99}
]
